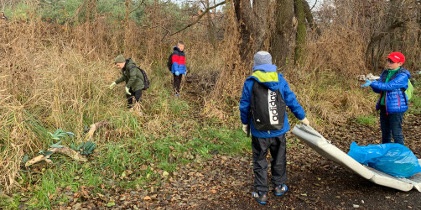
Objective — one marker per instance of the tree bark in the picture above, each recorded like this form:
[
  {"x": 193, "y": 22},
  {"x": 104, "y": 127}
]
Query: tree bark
[
  {"x": 310, "y": 19},
  {"x": 253, "y": 26},
  {"x": 243, "y": 27},
  {"x": 260, "y": 20},
  {"x": 280, "y": 38},
  {"x": 300, "y": 39},
  {"x": 376, "y": 46}
]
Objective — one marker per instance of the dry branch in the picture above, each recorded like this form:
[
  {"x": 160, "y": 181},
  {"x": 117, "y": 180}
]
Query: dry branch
[
  {"x": 62, "y": 150},
  {"x": 93, "y": 128},
  {"x": 198, "y": 18}
]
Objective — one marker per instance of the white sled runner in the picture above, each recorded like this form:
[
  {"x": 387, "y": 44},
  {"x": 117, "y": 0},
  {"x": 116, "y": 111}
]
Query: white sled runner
[{"x": 316, "y": 141}]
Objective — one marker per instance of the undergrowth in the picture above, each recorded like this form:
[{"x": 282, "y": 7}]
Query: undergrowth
[
  {"x": 46, "y": 86},
  {"x": 143, "y": 145}
]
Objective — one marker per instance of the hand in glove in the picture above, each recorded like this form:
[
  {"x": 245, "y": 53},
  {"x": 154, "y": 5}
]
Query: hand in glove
[
  {"x": 112, "y": 85},
  {"x": 245, "y": 128},
  {"x": 367, "y": 83},
  {"x": 128, "y": 91},
  {"x": 305, "y": 121}
]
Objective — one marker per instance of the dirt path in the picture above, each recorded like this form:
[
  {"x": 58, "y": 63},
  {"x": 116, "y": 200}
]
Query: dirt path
[{"x": 315, "y": 182}]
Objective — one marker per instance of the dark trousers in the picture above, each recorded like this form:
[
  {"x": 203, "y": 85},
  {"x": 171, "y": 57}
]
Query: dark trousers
[
  {"x": 135, "y": 96},
  {"x": 277, "y": 148},
  {"x": 391, "y": 126},
  {"x": 177, "y": 82}
]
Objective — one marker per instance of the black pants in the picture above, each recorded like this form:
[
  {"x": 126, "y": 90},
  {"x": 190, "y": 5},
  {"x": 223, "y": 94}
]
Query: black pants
[
  {"x": 277, "y": 148},
  {"x": 135, "y": 95},
  {"x": 177, "y": 83}
]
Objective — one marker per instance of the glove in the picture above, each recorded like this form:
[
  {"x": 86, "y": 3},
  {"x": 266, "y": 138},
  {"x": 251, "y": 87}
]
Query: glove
[
  {"x": 112, "y": 85},
  {"x": 367, "y": 83},
  {"x": 177, "y": 73},
  {"x": 128, "y": 91},
  {"x": 245, "y": 128},
  {"x": 305, "y": 121}
]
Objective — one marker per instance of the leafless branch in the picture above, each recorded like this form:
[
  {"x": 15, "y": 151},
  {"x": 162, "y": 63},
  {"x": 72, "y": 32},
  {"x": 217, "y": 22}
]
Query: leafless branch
[
  {"x": 138, "y": 6},
  {"x": 314, "y": 5},
  {"x": 199, "y": 17}
]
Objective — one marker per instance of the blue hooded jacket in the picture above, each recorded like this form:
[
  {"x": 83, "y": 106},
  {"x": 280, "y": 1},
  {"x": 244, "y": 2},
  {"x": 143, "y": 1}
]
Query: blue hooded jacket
[
  {"x": 395, "y": 99},
  {"x": 266, "y": 74}
]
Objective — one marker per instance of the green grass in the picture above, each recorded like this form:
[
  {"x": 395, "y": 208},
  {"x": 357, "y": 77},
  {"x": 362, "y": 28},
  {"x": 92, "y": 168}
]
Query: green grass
[
  {"x": 117, "y": 158},
  {"x": 47, "y": 187},
  {"x": 369, "y": 120},
  {"x": 7, "y": 202},
  {"x": 121, "y": 162}
]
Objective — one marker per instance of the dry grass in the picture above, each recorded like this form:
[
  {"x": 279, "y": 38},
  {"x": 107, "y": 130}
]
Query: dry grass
[
  {"x": 44, "y": 84},
  {"x": 57, "y": 76}
]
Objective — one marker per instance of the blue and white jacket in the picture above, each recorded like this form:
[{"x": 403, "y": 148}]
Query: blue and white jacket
[
  {"x": 395, "y": 99},
  {"x": 266, "y": 74}
]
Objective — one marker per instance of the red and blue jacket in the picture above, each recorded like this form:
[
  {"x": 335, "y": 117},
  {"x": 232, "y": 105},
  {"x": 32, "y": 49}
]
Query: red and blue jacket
[{"x": 177, "y": 62}]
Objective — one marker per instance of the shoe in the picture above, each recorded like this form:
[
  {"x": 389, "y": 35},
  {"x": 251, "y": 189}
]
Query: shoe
[
  {"x": 280, "y": 190},
  {"x": 261, "y": 197}
]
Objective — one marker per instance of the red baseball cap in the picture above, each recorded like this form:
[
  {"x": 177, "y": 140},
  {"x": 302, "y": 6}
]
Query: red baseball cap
[{"x": 396, "y": 57}]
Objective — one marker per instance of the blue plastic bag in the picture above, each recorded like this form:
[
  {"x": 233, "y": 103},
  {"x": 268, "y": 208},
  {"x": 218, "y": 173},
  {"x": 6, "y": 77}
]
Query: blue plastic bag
[{"x": 391, "y": 158}]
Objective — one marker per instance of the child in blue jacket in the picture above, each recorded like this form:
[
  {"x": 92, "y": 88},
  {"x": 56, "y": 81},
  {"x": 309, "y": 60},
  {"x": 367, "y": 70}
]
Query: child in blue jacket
[
  {"x": 393, "y": 101},
  {"x": 264, "y": 72}
]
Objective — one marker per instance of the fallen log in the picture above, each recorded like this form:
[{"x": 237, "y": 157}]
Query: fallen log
[{"x": 62, "y": 150}]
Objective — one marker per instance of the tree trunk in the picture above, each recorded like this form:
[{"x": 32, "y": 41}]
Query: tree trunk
[
  {"x": 253, "y": 26},
  {"x": 260, "y": 20},
  {"x": 300, "y": 39},
  {"x": 377, "y": 45},
  {"x": 210, "y": 26},
  {"x": 281, "y": 35},
  {"x": 310, "y": 19},
  {"x": 243, "y": 27},
  {"x": 247, "y": 33}
]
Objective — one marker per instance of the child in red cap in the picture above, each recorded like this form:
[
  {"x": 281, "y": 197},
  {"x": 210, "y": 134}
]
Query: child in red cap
[{"x": 393, "y": 101}]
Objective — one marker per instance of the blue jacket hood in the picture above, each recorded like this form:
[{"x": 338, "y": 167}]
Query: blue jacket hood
[
  {"x": 266, "y": 74},
  {"x": 265, "y": 68}
]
